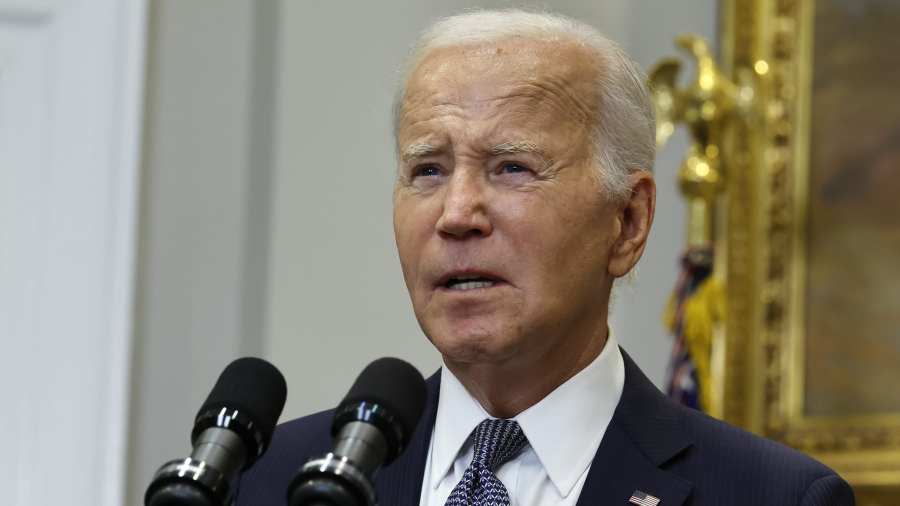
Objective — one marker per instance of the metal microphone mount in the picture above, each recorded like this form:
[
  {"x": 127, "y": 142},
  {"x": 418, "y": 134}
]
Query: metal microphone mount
[
  {"x": 366, "y": 436},
  {"x": 221, "y": 439}
]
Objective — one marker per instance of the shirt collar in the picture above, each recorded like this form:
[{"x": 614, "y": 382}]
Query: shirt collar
[
  {"x": 564, "y": 428},
  {"x": 458, "y": 413}
]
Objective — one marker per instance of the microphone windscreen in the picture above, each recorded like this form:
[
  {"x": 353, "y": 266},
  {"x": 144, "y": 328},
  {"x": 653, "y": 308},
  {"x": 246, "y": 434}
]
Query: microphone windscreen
[
  {"x": 253, "y": 386},
  {"x": 394, "y": 384}
]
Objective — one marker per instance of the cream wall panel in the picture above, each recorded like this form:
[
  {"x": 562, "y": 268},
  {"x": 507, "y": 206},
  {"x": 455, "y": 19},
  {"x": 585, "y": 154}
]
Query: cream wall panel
[{"x": 71, "y": 75}]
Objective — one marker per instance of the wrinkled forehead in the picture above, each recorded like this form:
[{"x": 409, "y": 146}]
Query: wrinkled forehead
[{"x": 561, "y": 71}]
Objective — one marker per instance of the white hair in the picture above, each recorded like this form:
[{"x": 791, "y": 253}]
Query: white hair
[{"x": 624, "y": 131}]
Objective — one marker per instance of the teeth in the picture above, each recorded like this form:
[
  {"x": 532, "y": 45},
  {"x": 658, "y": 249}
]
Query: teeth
[{"x": 471, "y": 285}]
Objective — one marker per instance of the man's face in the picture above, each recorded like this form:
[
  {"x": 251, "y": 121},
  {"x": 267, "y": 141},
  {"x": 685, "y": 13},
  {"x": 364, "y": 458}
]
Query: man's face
[{"x": 503, "y": 232}]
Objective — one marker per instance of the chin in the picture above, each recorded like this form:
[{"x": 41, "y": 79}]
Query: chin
[{"x": 471, "y": 343}]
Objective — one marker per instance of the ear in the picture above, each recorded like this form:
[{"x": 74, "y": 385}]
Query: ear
[{"x": 635, "y": 218}]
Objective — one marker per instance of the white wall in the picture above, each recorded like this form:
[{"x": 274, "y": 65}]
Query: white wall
[
  {"x": 336, "y": 296},
  {"x": 71, "y": 75},
  {"x": 203, "y": 217}
]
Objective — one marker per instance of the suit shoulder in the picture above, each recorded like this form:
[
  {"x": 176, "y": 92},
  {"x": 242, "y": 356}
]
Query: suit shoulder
[
  {"x": 722, "y": 453},
  {"x": 713, "y": 435}
]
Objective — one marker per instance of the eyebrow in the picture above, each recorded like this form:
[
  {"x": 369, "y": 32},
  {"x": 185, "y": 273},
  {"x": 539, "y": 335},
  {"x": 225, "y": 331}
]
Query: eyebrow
[
  {"x": 418, "y": 150},
  {"x": 511, "y": 148},
  {"x": 421, "y": 150}
]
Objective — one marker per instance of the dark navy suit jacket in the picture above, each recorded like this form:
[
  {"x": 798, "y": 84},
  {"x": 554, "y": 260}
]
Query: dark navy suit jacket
[{"x": 677, "y": 454}]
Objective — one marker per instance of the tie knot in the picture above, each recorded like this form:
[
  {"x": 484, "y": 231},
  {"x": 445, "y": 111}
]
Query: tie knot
[{"x": 497, "y": 441}]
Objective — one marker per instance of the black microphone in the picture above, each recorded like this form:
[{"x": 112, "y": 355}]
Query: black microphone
[
  {"x": 231, "y": 431},
  {"x": 371, "y": 428}
]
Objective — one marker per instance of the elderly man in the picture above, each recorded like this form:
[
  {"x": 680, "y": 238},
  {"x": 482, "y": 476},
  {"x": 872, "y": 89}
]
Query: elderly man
[{"x": 525, "y": 143}]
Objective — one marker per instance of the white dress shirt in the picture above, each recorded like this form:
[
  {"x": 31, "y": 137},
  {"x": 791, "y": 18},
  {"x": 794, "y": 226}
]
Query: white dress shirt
[{"x": 564, "y": 430}]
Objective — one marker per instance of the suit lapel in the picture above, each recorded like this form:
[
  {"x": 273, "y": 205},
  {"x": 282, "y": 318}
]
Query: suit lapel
[
  {"x": 400, "y": 483},
  {"x": 644, "y": 434},
  {"x": 619, "y": 469}
]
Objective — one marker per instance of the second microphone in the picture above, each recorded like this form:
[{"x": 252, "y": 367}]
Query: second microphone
[{"x": 371, "y": 427}]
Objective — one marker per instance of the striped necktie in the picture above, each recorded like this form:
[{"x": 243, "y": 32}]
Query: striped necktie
[{"x": 496, "y": 442}]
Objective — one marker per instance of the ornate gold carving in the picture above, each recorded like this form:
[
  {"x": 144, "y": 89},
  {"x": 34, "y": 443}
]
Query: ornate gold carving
[
  {"x": 777, "y": 162},
  {"x": 738, "y": 240},
  {"x": 705, "y": 107}
]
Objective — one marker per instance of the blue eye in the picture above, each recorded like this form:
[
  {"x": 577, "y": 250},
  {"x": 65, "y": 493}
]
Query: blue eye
[
  {"x": 513, "y": 168},
  {"x": 427, "y": 170}
]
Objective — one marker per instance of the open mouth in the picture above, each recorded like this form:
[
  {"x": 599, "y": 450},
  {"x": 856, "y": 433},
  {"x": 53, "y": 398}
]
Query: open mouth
[{"x": 463, "y": 282}]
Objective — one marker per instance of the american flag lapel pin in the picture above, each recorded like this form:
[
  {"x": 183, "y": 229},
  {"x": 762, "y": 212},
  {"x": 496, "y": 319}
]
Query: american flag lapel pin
[{"x": 643, "y": 499}]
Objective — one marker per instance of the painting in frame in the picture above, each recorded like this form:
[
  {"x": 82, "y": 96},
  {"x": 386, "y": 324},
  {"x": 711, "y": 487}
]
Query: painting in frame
[{"x": 811, "y": 235}]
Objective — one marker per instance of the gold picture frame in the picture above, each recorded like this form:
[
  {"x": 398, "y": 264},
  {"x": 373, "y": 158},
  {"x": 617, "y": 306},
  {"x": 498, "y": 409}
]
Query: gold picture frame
[{"x": 760, "y": 362}]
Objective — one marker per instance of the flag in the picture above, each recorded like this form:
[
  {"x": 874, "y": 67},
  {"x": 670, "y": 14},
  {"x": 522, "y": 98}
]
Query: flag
[
  {"x": 643, "y": 499},
  {"x": 696, "y": 305}
]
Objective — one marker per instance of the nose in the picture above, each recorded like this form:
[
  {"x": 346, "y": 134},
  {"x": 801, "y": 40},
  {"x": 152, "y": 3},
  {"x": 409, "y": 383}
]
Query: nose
[{"x": 464, "y": 214}]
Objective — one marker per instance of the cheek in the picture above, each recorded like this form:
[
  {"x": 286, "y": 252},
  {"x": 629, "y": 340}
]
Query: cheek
[
  {"x": 533, "y": 235},
  {"x": 411, "y": 232},
  {"x": 403, "y": 240},
  {"x": 585, "y": 248},
  {"x": 560, "y": 241}
]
